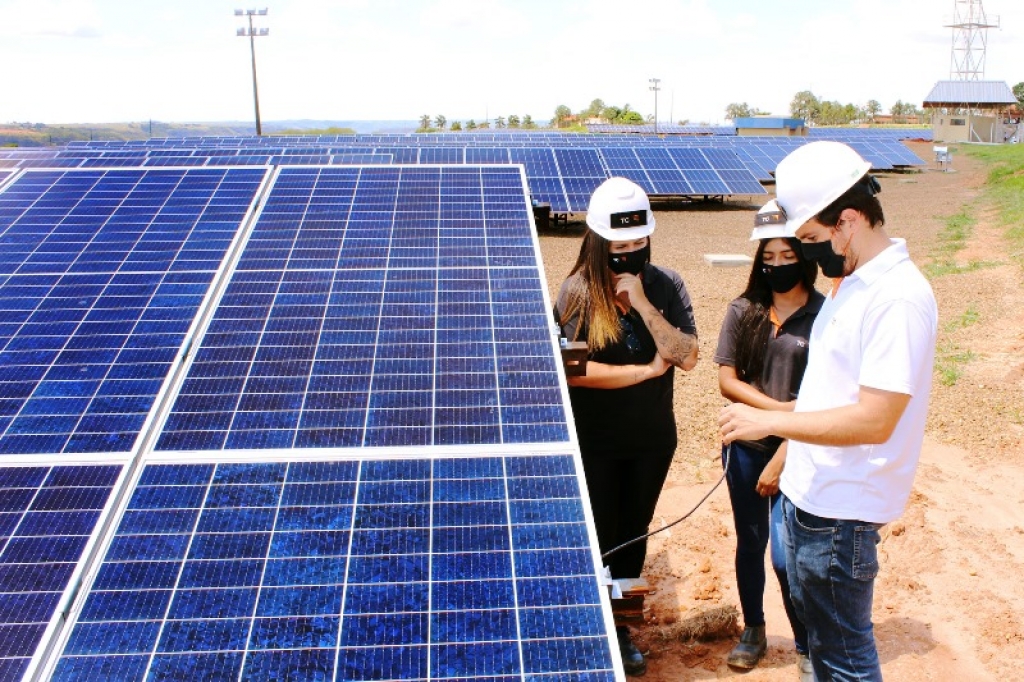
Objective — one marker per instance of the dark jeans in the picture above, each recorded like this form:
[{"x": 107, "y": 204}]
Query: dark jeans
[
  {"x": 832, "y": 568},
  {"x": 623, "y": 493},
  {"x": 758, "y": 521}
]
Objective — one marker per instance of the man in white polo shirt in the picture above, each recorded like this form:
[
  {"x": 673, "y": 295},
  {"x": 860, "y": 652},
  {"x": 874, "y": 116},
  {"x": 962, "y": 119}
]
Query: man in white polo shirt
[{"x": 855, "y": 434}]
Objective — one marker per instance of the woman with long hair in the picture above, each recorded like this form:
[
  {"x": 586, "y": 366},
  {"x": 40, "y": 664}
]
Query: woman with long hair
[
  {"x": 637, "y": 321},
  {"x": 762, "y": 353}
]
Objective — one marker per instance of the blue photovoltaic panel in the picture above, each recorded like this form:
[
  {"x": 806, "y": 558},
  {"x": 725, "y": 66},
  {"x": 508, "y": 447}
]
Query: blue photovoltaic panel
[
  {"x": 542, "y": 175},
  {"x": 486, "y": 155},
  {"x": 581, "y": 171},
  {"x": 101, "y": 275},
  {"x": 414, "y": 569},
  {"x": 381, "y": 306},
  {"x": 47, "y": 515},
  {"x": 441, "y": 155}
]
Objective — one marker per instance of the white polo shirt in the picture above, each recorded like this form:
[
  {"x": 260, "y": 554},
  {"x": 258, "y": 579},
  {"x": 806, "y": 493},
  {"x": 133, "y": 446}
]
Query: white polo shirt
[{"x": 878, "y": 332}]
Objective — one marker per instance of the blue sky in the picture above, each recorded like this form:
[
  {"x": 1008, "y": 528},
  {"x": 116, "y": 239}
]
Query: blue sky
[{"x": 93, "y": 61}]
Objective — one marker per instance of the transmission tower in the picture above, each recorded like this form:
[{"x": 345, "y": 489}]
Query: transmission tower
[{"x": 970, "y": 38}]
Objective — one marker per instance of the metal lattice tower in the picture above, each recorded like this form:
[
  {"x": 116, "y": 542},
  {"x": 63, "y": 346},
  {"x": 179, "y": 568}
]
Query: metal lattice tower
[{"x": 970, "y": 38}]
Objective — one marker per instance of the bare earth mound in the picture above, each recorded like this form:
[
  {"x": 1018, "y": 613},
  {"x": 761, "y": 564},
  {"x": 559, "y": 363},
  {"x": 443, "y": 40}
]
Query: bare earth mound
[{"x": 948, "y": 600}]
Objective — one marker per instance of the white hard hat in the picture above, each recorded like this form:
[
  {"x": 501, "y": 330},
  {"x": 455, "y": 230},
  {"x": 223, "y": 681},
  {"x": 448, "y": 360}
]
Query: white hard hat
[
  {"x": 769, "y": 223},
  {"x": 813, "y": 176},
  {"x": 620, "y": 211}
]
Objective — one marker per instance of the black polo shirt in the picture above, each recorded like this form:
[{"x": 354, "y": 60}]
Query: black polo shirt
[
  {"x": 785, "y": 358},
  {"x": 635, "y": 419}
]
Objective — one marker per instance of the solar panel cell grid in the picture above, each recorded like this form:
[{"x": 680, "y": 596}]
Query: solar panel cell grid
[
  {"x": 446, "y": 568},
  {"x": 103, "y": 273},
  {"x": 47, "y": 515},
  {"x": 396, "y": 317}
]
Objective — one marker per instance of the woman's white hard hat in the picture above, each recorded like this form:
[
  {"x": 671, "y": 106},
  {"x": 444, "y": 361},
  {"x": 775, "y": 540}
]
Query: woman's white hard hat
[
  {"x": 813, "y": 176},
  {"x": 769, "y": 222},
  {"x": 620, "y": 211}
]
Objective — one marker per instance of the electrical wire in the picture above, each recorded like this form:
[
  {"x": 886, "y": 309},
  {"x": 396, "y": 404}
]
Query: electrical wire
[{"x": 725, "y": 469}]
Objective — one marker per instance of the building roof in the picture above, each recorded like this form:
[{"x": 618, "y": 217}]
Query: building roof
[
  {"x": 969, "y": 93},
  {"x": 768, "y": 122}
]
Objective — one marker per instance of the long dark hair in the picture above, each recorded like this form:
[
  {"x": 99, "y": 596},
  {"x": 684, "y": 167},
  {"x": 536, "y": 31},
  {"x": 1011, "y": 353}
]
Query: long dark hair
[
  {"x": 755, "y": 325},
  {"x": 592, "y": 293}
]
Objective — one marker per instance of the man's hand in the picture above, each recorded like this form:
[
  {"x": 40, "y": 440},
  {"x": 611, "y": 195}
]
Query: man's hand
[{"x": 742, "y": 422}]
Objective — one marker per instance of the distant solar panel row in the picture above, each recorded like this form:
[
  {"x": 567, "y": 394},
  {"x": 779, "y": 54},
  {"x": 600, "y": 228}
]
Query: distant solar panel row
[{"x": 563, "y": 177}]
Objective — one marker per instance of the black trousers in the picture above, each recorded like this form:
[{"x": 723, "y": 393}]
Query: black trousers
[{"x": 624, "y": 491}]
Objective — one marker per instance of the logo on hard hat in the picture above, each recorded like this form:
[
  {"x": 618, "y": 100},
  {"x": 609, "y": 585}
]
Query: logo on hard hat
[{"x": 628, "y": 219}]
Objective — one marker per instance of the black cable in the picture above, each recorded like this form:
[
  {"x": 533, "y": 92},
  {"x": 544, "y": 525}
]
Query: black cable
[{"x": 725, "y": 469}]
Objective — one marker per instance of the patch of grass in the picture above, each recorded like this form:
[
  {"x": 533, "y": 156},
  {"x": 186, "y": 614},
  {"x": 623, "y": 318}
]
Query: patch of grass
[
  {"x": 1005, "y": 188},
  {"x": 966, "y": 319},
  {"x": 951, "y": 240},
  {"x": 950, "y": 360}
]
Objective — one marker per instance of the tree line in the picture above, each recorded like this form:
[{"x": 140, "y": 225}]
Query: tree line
[
  {"x": 816, "y": 111},
  {"x": 439, "y": 123}
]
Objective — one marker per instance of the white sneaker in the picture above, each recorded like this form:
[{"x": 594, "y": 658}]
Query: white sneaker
[{"x": 804, "y": 669}]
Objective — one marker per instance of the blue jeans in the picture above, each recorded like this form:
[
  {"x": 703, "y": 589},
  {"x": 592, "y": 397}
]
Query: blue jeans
[
  {"x": 758, "y": 522},
  {"x": 832, "y": 567}
]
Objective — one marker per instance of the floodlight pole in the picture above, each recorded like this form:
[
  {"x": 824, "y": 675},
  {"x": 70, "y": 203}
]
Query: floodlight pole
[
  {"x": 252, "y": 33},
  {"x": 655, "y": 88}
]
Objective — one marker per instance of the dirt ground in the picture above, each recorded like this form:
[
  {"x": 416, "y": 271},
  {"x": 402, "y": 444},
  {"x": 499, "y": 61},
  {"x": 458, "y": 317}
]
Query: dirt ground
[{"x": 949, "y": 599}]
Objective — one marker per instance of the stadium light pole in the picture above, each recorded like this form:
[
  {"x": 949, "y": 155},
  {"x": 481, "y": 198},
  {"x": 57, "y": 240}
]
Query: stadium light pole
[
  {"x": 252, "y": 33},
  {"x": 655, "y": 88}
]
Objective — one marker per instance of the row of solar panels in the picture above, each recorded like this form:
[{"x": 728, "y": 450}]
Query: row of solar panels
[
  {"x": 561, "y": 177},
  {"x": 553, "y": 139},
  {"x": 324, "y": 438}
]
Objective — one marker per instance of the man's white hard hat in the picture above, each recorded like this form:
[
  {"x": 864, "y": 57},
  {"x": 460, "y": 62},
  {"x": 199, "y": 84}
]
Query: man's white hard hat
[
  {"x": 769, "y": 222},
  {"x": 813, "y": 176},
  {"x": 620, "y": 211}
]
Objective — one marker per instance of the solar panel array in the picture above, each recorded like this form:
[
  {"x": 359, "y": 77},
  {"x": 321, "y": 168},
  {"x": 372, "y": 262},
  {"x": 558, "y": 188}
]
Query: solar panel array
[
  {"x": 562, "y": 168},
  {"x": 353, "y": 457}
]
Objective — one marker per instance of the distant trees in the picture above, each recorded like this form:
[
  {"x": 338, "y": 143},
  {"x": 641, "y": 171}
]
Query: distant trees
[
  {"x": 528, "y": 121},
  {"x": 499, "y": 122},
  {"x": 872, "y": 109},
  {"x": 1018, "y": 92},
  {"x": 440, "y": 121},
  {"x": 805, "y": 105},
  {"x": 425, "y": 121},
  {"x": 563, "y": 115},
  {"x": 470, "y": 124},
  {"x": 513, "y": 121},
  {"x": 742, "y": 110},
  {"x": 456, "y": 127}
]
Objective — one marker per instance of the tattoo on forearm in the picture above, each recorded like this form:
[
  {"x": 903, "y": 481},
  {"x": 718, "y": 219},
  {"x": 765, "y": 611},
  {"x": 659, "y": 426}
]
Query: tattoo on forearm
[{"x": 674, "y": 345}]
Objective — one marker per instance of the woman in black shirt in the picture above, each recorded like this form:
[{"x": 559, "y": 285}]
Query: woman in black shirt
[
  {"x": 762, "y": 353},
  {"x": 638, "y": 324}
]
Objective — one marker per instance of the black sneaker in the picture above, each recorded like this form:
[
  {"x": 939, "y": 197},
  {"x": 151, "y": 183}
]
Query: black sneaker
[{"x": 633, "y": 662}]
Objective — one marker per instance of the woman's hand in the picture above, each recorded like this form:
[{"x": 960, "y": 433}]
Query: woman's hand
[
  {"x": 658, "y": 366},
  {"x": 768, "y": 481},
  {"x": 629, "y": 289}
]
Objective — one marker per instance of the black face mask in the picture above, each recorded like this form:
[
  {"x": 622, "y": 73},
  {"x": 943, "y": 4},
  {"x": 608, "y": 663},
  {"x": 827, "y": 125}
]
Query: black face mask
[
  {"x": 831, "y": 263},
  {"x": 783, "y": 278},
  {"x": 632, "y": 262}
]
